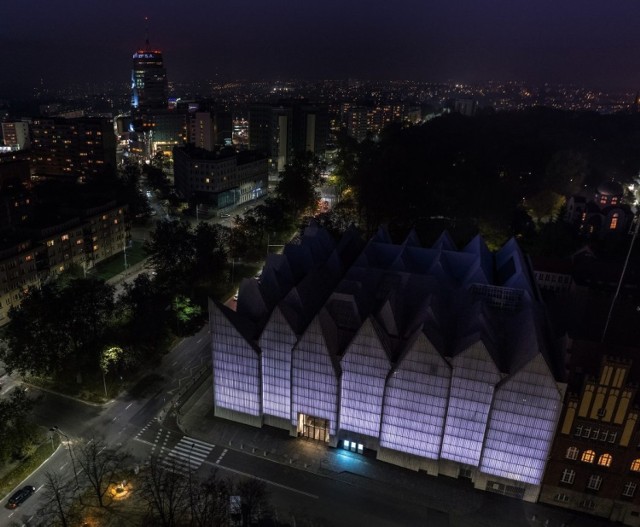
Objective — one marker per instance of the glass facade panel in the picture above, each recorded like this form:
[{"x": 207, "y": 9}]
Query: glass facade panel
[
  {"x": 364, "y": 370},
  {"x": 236, "y": 368},
  {"x": 276, "y": 342},
  {"x": 474, "y": 378},
  {"x": 522, "y": 424},
  {"x": 314, "y": 384},
  {"x": 415, "y": 403}
]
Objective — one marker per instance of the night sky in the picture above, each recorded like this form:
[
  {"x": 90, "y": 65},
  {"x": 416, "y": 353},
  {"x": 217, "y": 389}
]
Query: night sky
[{"x": 587, "y": 42}]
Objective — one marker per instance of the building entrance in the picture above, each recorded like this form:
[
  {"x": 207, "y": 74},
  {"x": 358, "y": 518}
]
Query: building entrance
[{"x": 314, "y": 428}]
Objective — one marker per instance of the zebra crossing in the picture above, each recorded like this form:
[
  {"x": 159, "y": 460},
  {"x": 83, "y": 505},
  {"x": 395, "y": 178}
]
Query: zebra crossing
[{"x": 187, "y": 455}]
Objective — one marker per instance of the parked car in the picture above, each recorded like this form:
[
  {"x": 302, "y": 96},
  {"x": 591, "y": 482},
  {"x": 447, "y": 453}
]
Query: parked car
[{"x": 20, "y": 496}]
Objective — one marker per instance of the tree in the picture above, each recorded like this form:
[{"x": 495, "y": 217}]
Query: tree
[
  {"x": 298, "y": 185},
  {"x": 545, "y": 205},
  {"x": 210, "y": 503},
  {"x": 59, "y": 501},
  {"x": 143, "y": 308},
  {"x": 101, "y": 466},
  {"x": 566, "y": 172},
  {"x": 35, "y": 338},
  {"x": 58, "y": 328},
  {"x": 166, "y": 493},
  {"x": 254, "y": 499},
  {"x": 17, "y": 430},
  {"x": 171, "y": 251},
  {"x": 210, "y": 251},
  {"x": 87, "y": 305},
  {"x": 187, "y": 314}
]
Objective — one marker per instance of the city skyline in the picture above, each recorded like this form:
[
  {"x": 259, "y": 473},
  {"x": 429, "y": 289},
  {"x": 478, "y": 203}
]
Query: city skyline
[{"x": 590, "y": 43}]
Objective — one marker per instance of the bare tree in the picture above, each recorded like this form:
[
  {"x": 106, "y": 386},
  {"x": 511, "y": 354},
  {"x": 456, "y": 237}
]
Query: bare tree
[
  {"x": 101, "y": 466},
  {"x": 60, "y": 497},
  {"x": 254, "y": 500},
  {"x": 210, "y": 504},
  {"x": 166, "y": 492}
]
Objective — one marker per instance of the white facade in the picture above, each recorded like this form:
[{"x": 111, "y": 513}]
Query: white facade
[{"x": 433, "y": 357}]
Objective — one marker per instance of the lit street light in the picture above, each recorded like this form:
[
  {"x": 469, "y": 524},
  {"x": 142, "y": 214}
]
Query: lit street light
[{"x": 73, "y": 463}]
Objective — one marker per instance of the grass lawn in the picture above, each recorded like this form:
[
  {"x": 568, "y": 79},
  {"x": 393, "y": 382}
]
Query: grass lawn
[
  {"x": 114, "y": 265},
  {"x": 17, "y": 472}
]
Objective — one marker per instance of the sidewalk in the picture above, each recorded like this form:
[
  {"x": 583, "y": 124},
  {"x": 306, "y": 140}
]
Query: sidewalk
[{"x": 464, "y": 505}]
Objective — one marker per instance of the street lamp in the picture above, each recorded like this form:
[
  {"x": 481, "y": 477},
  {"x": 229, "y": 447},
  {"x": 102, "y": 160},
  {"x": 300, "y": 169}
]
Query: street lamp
[{"x": 73, "y": 463}]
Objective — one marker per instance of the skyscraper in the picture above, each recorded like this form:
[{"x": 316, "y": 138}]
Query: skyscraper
[{"x": 148, "y": 79}]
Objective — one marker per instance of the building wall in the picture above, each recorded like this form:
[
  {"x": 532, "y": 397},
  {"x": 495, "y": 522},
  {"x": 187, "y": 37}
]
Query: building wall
[
  {"x": 594, "y": 464},
  {"x": 473, "y": 381},
  {"x": 276, "y": 342},
  {"x": 314, "y": 380},
  {"x": 220, "y": 180},
  {"x": 415, "y": 404},
  {"x": 458, "y": 415},
  {"x": 522, "y": 424},
  {"x": 365, "y": 367},
  {"x": 236, "y": 371},
  {"x": 92, "y": 236},
  {"x": 74, "y": 148}
]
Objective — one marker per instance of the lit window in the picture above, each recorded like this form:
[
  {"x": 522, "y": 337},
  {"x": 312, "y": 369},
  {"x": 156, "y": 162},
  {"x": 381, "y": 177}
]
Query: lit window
[
  {"x": 95, "y": 247},
  {"x": 594, "y": 482},
  {"x": 588, "y": 456},
  {"x": 568, "y": 476},
  {"x": 629, "y": 489},
  {"x": 50, "y": 243},
  {"x": 605, "y": 460},
  {"x": 572, "y": 452},
  {"x": 635, "y": 465},
  {"x": 65, "y": 237},
  {"x": 614, "y": 201},
  {"x": 614, "y": 221}
]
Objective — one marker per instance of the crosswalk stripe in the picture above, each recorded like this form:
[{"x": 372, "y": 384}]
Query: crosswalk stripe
[
  {"x": 197, "y": 441},
  {"x": 187, "y": 455},
  {"x": 187, "y": 449}
]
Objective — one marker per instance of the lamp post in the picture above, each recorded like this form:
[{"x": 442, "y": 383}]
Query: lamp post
[
  {"x": 73, "y": 463},
  {"x": 622, "y": 275}
]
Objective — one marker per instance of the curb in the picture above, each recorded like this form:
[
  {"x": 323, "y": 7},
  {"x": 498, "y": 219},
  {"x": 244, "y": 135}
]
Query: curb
[
  {"x": 35, "y": 470},
  {"x": 77, "y": 399}
]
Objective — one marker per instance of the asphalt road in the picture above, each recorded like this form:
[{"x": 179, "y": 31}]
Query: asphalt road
[
  {"x": 117, "y": 423},
  {"x": 130, "y": 423}
]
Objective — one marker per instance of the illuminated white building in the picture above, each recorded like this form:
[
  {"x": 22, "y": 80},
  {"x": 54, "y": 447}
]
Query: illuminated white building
[{"x": 435, "y": 358}]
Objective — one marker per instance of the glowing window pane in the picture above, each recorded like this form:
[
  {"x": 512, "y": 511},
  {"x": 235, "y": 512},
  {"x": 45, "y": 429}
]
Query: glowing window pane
[{"x": 605, "y": 460}]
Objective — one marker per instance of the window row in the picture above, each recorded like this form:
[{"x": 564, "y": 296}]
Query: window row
[
  {"x": 589, "y": 456},
  {"x": 595, "y": 481},
  {"x": 596, "y": 433}
]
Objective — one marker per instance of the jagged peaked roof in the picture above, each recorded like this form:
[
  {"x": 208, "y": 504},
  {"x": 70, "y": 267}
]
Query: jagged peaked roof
[
  {"x": 484, "y": 258},
  {"x": 455, "y": 297}
]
